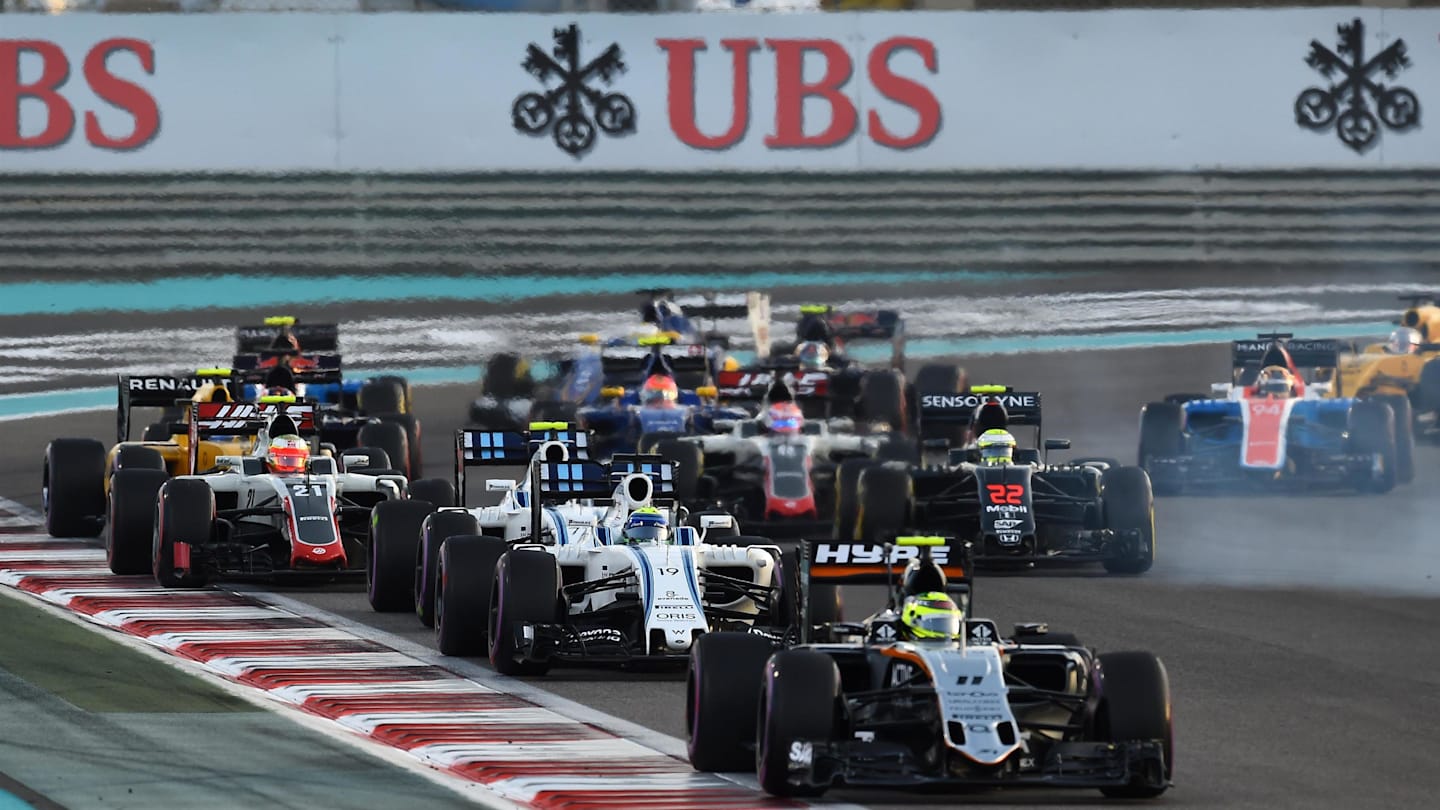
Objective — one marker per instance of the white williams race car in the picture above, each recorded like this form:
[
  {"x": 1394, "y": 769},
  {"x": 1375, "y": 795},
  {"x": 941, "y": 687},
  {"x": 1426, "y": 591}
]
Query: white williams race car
[
  {"x": 277, "y": 510},
  {"x": 576, "y": 590}
]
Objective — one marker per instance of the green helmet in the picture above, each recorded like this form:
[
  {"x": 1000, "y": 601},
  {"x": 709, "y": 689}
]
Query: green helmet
[
  {"x": 996, "y": 447},
  {"x": 932, "y": 615}
]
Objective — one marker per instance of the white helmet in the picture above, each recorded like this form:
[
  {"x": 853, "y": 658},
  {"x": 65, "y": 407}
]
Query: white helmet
[{"x": 1403, "y": 341}]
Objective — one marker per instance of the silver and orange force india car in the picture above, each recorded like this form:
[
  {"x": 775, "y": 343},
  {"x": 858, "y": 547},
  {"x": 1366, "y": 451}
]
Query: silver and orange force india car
[{"x": 869, "y": 705}]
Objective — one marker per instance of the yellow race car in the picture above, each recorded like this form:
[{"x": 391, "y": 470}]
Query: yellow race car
[
  {"x": 1406, "y": 365},
  {"x": 75, "y": 484}
]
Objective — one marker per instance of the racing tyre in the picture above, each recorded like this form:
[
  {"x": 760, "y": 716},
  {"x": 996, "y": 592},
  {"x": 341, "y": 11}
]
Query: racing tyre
[
  {"x": 390, "y": 559},
  {"x": 414, "y": 458},
  {"x": 156, "y": 432},
  {"x": 798, "y": 703},
  {"x": 376, "y": 460},
  {"x": 1135, "y": 705},
  {"x": 722, "y": 698},
  {"x": 72, "y": 488},
  {"x": 391, "y": 438},
  {"x": 527, "y": 589},
  {"x": 137, "y": 457},
  {"x": 462, "y": 601},
  {"x": 1372, "y": 432},
  {"x": 689, "y": 466},
  {"x": 381, "y": 396},
  {"x": 1428, "y": 393},
  {"x": 1404, "y": 436},
  {"x": 437, "y": 491},
  {"x": 1162, "y": 426},
  {"x": 1129, "y": 506},
  {"x": 847, "y": 498},
  {"x": 437, "y": 527},
  {"x": 186, "y": 515},
  {"x": 884, "y": 495},
  {"x": 407, "y": 402},
  {"x": 882, "y": 398},
  {"x": 130, "y": 520}
]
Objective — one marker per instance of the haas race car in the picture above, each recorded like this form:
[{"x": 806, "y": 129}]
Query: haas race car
[
  {"x": 1275, "y": 424},
  {"x": 921, "y": 695},
  {"x": 1014, "y": 506},
  {"x": 281, "y": 508}
]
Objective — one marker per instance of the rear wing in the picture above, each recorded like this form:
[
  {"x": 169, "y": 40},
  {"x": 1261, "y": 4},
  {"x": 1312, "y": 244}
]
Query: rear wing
[
  {"x": 865, "y": 563},
  {"x": 872, "y": 324},
  {"x": 754, "y": 383},
  {"x": 163, "y": 391},
  {"x": 714, "y": 306},
  {"x": 278, "y": 415},
  {"x": 513, "y": 448},
  {"x": 626, "y": 363},
  {"x": 306, "y": 368},
  {"x": 313, "y": 337},
  {"x": 1262, "y": 351},
  {"x": 1021, "y": 407}
]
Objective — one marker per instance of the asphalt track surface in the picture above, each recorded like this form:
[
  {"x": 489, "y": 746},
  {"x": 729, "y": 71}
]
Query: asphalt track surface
[{"x": 1299, "y": 632}]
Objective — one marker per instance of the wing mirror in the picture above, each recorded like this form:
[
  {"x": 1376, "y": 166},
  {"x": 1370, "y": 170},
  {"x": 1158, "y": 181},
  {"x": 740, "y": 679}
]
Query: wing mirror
[{"x": 1057, "y": 444}]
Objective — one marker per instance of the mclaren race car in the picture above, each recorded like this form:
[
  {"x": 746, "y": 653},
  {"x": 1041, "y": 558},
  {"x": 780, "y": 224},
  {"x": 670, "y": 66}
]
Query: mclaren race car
[
  {"x": 921, "y": 695},
  {"x": 1275, "y": 425},
  {"x": 1018, "y": 511}
]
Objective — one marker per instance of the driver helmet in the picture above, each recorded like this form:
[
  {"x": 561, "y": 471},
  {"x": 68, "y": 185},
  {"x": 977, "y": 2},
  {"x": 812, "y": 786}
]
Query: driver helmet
[
  {"x": 660, "y": 390},
  {"x": 932, "y": 615},
  {"x": 812, "y": 354},
  {"x": 996, "y": 447},
  {"x": 288, "y": 454},
  {"x": 784, "y": 418},
  {"x": 647, "y": 525},
  {"x": 278, "y": 391},
  {"x": 1276, "y": 381},
  {"x": 1403, "y": 341}
]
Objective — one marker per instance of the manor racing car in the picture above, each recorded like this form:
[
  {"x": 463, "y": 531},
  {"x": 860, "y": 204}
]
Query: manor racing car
[
  {"x": 920, "y": 694},
  {"x": 1275, "y": 425},
  {"x": 1016, "y": 508},
  {"x": 257, "y": 514}
]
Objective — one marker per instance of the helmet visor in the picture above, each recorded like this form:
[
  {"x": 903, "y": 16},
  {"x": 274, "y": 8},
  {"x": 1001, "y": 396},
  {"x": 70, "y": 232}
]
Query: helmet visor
[
  {"x": 288, "y": 459},
  {"x": 996, "y": 453},
  {"x": 648, "y": 533},
  {"x": 937, "y": 624}
]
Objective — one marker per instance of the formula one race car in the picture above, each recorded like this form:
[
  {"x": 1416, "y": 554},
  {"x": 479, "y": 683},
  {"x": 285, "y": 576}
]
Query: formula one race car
[
  {"x": 1406, "y": 366},
  {"x": 922, "y": 695},
  {"x": 282, "y": 356},
  {"x": 1015, "y": 507},
  {"x": 578, "y": 590},
  {"x": 1274, "y": 426},
  {"x": 283, "y": 507},
  {"x": 518, "y": 388},
  {"x": 775, "y": 472}
]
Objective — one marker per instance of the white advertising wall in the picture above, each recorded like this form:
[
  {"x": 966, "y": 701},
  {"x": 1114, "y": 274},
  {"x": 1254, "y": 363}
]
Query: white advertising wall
[{"x": 1173, "y": 90}]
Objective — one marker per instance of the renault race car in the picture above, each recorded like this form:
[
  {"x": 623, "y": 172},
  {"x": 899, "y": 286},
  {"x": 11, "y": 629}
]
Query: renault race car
[
  {"x": 244, "y": 515},
  {"x": 1275, "y": 425},
  {"x": 881, "y": 704},
  {"x": 76, "y": 475},
  {"x": 1023, "y": 512},
  {"x": 1405, "y": 366}
]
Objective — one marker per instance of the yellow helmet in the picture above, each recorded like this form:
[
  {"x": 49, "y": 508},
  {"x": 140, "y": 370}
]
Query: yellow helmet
[
  {"x": 932, "y": 615},
  {"x": 996, "y": 447},
  {"x": 211, "y": 392}
]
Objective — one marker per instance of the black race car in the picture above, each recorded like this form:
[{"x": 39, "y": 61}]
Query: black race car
[
  {"x": 1021, "y": 513},
  {"x": 870, "y": 705}
]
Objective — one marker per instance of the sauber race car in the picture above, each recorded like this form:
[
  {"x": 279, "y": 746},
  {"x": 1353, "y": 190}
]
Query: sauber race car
[
  {"x": 518, "y": 388},
  {"x": 922, "y": 695},
  {"x": 1275, "y": 425},
  {"x": 1015, "y": 507},
  {"x": 283, "y": 507}
]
